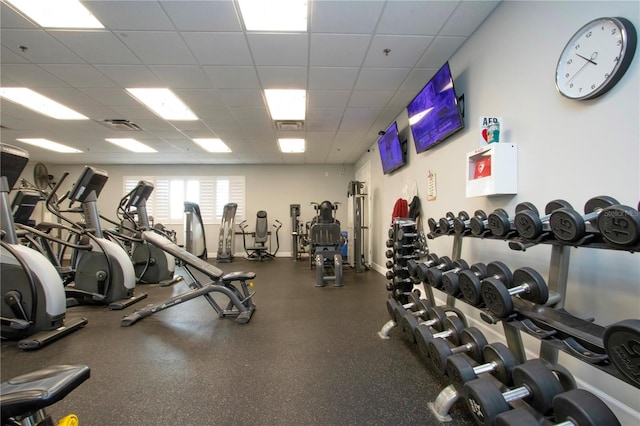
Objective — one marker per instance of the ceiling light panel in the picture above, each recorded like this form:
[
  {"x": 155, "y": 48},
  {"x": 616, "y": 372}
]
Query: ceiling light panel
[
  {"x": 57, "y": 13},
  {"x": 131, "y": 144},
  {"x": 212, "y": 145},
  {"x": 164, "y": 103},
  {"x": 291, "y": 146},
  {"x": 274, "y": 15},
  {"x": 286, "y": 104},
  {"x": 50, "y": 145},
  {"x": 38, "y": 103}
]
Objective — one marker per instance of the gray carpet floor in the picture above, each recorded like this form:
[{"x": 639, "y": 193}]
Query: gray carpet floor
[{"x": 309, "y": 356}]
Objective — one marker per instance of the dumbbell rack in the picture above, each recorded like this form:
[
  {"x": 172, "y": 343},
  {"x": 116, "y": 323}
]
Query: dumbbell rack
[{"x": 557, "y": 329}]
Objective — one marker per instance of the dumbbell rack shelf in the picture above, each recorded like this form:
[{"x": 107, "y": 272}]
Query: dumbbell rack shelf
[{"x": 557, "y": 329}]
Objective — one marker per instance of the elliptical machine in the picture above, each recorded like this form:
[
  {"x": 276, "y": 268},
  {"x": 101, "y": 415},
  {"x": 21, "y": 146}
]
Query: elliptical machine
[
  {"x": 33, "y": 299},
  {"x": 104, "y": 274}
]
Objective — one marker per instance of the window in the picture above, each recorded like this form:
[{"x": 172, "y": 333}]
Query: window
[{"x": 211, "y": 193}]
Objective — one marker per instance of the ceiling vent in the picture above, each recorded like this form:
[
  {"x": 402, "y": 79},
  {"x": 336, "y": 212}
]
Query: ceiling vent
[
  {"x": 120, "y": 124},
  {"x": 290, "y": 125}
]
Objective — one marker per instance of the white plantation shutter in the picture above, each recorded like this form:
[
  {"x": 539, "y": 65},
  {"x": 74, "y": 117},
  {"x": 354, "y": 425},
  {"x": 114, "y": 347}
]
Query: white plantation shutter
[{"x": 211, "y": 193}]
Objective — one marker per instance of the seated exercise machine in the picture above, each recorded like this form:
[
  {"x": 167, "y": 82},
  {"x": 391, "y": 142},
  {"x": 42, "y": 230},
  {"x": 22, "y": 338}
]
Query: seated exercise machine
[
  {"x": 325, "y": 243},
  {"x": 259, "y": 250},
  {"x": 240, "y": 302},
  {"x": 103, "y": 273},
  {"x": 225, "y": 238},
  {"x": 33, "y": 305},
  {"x": 24, "y": 399},
  {"x": 194, "y": 240}
]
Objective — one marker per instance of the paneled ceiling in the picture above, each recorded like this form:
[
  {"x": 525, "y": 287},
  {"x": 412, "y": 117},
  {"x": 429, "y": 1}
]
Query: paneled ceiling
[{"x": 361, "y": 63}]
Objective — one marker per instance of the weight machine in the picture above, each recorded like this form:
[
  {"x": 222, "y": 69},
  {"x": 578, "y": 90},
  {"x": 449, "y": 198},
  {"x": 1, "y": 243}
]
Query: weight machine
[
  {"x": 225, "y": 237},
  {"x": 194, "y": 239},
  {"x": 299, "y": 233},
  {"x": 355, "y": 254},
  {"x": 261, "y": 236},
  {"x": 325, "y": 241}
]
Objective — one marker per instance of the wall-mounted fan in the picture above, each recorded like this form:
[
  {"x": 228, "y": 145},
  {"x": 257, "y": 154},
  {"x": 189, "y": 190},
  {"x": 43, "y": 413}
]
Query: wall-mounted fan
[{"x": 42, "y": 178}]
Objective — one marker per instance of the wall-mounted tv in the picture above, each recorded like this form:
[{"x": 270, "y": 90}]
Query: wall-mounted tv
[
  {"x": 392, "y": 152},
  {"x": 434, "y": 114}
]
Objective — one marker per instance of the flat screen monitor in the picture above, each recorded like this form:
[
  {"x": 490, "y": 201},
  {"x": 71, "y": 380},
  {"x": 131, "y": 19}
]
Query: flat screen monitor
[
  {"x": 92, "y": 180},
  {"x": 23, "y": 205},
  {"x": 434, "y": 114},
  {"x": 13, "y": 160},
  {"x": 392, "y": 154}
]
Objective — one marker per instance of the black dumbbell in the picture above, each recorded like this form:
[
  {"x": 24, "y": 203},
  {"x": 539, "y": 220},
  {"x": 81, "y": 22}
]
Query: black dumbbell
[
  {"x": 417, "y": 308},
  {"x": 452, "y": 326},
  {"x": 470, "y": 281},
  {"x": 479, "y": 226},
  {"x": 460, "y": 226},
  {"x": 570, "y": 226},
  {"x": 413, "y": 264},
  {"x": 434, "y": 317},
  {"x": 445, "y": 224},
  {"x": 450, "y": 280},
  {"x": 535, "y": 383},
  {"x": 435, "y": 273},
  {"x": 390, "y": 243},
  {"x": 444, "y": 263},
  {"x": 620, "y": 225},
  {"x": 406, "y": 234},
  {"x": 393, "y": 305},
  {"x": 499, "y": 361},
  {"x": 576, "y": 407},
  {"x": 530, "y": 226},
  {"x": 433, "y": 225},
  {"x": 472, "y": 342},
  {"x": 527, "y": 283},
  {"x": 501, "y": 225}
]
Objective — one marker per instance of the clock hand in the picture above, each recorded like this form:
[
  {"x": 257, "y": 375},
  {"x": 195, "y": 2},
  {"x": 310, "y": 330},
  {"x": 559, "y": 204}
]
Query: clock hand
[
  {"x": 579, "y": 71},
  {"x": 589, "y": 60}
]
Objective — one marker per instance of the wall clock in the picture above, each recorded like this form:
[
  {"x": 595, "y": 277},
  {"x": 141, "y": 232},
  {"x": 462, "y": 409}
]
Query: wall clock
[{"x": 596, "y": 58}]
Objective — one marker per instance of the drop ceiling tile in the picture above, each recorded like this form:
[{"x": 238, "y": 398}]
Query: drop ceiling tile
[
  {"x": 332, "y": 78},
  {"x": 31, "y": 76},
  {"x": 96, "y": 47},
  {"x": 10, "y": 19},
  {"x": 200, "y": 97},
  {"x": 328, "y": 98},
  {"x": 250, "y": 113},
  {"x": 404, "y": 51},
  {"x": 361, "y": 114},
  {"x": 134, "y": 113},
  {"x": 467, "y": 17},
  {"x": 402, "y": 98},
  {"x": 219, "y": 15},
  {"x": 381, "y": 78},
  {"x": 114, "y": 96},
  {"x": 68, "y": 96},
  {"x": 218, "y": 48},
  {"x": 40, "y": 47},
  {"x": 440, "y": 51},
  {"x": 190, "y": 126},
  {"x": 79, "y": 75},
  {"x": 224, "y": 128},
  {"x": 338, "y": 50},
  {"x": 346, "y": 17},
  {"x": 279, "y": 49},
  {"x": 223, "y": 77},
  {"x": 10, "y": 57},
  {"x": 154, "y": 127},
  {"x": 324, "y": 114},
  {"x": 417, "y": 78},
  {"x": 322, "y": 126},
  {"x": 129, "y": 15},
  {"x": 415, "y": 17},
  {"x": 158, "y": 47},
  {"x": 130, "y": 75},
  {"x": 181, "y": 76},
  {"x": 283, "y": 77},
  {"x": 370, "y": 98},
  {"x": 211, "y": 113},
  {"x": 242, "y": 97}
]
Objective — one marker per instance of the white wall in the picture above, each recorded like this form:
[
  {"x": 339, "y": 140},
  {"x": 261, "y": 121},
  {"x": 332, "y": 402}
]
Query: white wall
[
  {"x": 270, "y": 188},
  {"x": 566, "y": 149}
]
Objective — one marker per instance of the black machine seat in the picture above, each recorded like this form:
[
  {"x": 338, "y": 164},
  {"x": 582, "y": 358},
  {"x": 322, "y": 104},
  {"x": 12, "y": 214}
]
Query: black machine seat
[
  {"x": 39, "y": 389},
  {"x": 194, "y": 261},
  {"x": 325, "y": 234}
]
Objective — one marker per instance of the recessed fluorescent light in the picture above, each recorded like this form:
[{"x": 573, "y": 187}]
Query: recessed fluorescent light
[
  {"x": 286, "y": 104},
  {"x": 274, "y": 15},
  {"x": 291, "y": 146},
  {"x": 57, "y": 13},
  {"x": 50, "y": 145},
  {"x": 131, "y": 145},
  {"x": 164, "y": 103},
  {"x": 35, "y": 101},
  {"x": 212, "y": 145}
]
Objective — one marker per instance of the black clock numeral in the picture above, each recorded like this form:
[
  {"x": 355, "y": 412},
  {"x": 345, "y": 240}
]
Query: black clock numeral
[
  {"x": 614, "y": 31},
  {"x": 616, "y": 59},
  {"x": 593, "y": 86},
  {"x": 570, "y": 61},
  {"x": 571, "y": 86},
  {"x": 589, "y": 34},
  {"x": 577, "y": 47},
  {"x": 606, "y": 75},
  {"x": 566, "y": 75},
  {"x": 619, "y": 42}
]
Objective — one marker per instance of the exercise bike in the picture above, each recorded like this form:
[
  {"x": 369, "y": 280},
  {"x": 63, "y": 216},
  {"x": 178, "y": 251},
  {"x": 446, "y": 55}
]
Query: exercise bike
[
  {"x": 33, "y": 308},
  {"x": 24, "y": 399},
  {"x": 259, "y": 250}
]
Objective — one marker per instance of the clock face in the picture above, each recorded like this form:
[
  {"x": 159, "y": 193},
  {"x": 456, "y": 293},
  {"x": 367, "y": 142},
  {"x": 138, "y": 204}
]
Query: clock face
[{"x": 595, "y": 58}]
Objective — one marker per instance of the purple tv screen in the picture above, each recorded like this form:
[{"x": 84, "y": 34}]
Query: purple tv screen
[
  {"x": 390, "y": 148},
  {"x": 434, "y": 114}
]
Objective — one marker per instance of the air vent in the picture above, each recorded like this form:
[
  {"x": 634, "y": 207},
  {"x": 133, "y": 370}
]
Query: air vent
[
  {"x": 289, "y": 125},
  {"x": 120, "y": 124}
]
